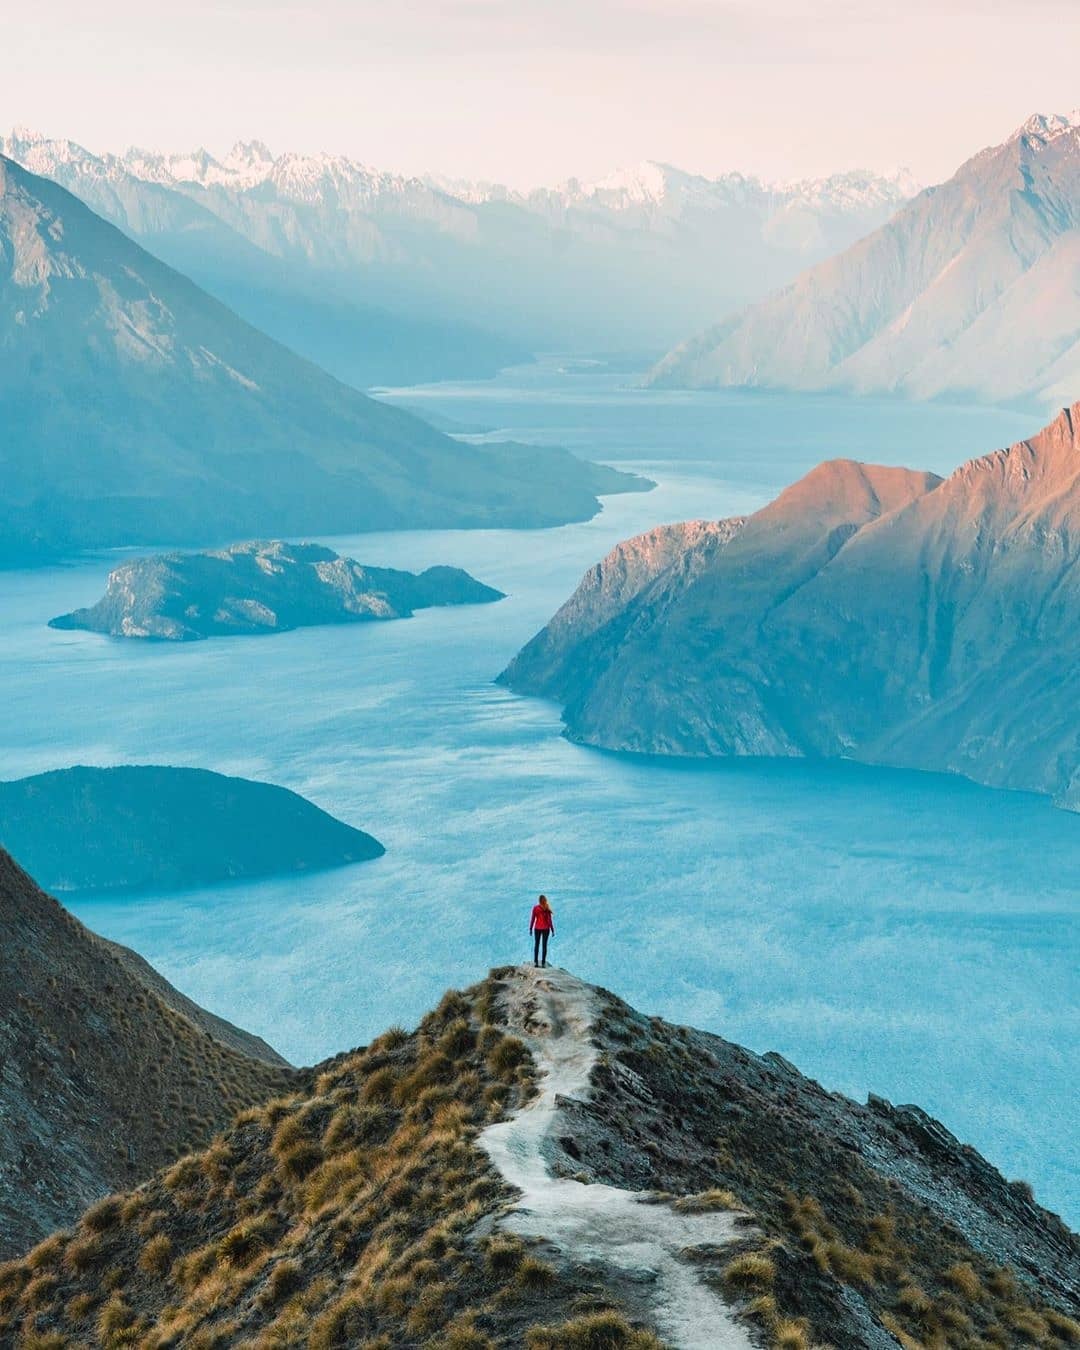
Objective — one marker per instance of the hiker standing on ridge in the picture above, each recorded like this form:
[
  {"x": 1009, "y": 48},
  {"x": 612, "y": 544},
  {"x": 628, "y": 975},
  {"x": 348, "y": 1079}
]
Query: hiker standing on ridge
[{"x": 542, "y": 927}]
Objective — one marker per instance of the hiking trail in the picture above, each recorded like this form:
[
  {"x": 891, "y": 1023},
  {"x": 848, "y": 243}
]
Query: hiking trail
[{"x": 553, "y": 1013}]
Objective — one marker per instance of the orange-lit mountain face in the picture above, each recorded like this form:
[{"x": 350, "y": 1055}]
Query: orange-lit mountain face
[{"x": 876, "y": 614}]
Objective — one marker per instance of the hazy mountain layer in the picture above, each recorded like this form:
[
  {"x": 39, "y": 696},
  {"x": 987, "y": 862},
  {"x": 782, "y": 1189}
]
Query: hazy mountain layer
[
  {"x": 136, "y": 409},
  {"x": 690, "y": 1193},
  {"x": 971, "y": 290},
  {"x": 263, "y": 588},
  {"x": 106, "y": 1072},
  {"x": 149, "y": 826},
  {"x": 627, "y": 263},
  {"x": 876, "y": 614}
]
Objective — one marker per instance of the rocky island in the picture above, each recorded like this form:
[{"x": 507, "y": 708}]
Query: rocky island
[
  {"x": 154, "y": 827},
  {"x": 877, "y": 614},
  {"x": 263, "y": 587}
]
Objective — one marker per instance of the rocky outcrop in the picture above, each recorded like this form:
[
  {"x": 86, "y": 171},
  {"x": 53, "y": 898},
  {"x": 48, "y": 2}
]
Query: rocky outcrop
[
  {"x": 262, "y": 588},
  {"x": 968, "y": 291},
  {"x": 150, "y": 827},
  {"x": 610, "y": 585},
  {"x": 538, "y": 1164},
  {"x": 138, "y": 409},
  {"x": 106, "y": 1072},
  {"x": 875, "y": 614}
]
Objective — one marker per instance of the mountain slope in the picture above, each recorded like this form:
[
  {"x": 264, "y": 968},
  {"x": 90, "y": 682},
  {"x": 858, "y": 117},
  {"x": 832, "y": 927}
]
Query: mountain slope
[
  {"x": 538, "y": 1165},
  {"x": 627, "y": 263},
  {"x": 971, "y": 289},
  {"x": 300, "y": 304},
  {"x": 136, "y": 408},
  {"x": 106, "y": 1072},
  {"x": 876, "y": 614}
]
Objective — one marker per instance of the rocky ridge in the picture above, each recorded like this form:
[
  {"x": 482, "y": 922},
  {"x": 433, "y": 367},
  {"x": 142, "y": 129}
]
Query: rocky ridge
[{"x": 424, "y": 1191}]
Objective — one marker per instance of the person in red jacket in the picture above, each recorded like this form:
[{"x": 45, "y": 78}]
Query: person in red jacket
[{"x": 542, "y": 927}]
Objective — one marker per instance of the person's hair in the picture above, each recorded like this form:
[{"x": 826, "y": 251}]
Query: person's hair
[{"x": 544, "y": 900}]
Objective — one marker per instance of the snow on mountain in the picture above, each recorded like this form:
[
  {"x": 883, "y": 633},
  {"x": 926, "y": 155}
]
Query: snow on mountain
[
  {"x": 972, "y": 289},
  {"x": 627, "y": 262}
]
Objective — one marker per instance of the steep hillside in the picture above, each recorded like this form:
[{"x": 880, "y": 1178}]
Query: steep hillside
[
  {"x": 255, "y": 271},
  {"x": 876, "y": 614},
  {"x": 538, "y": 1165},
  {"x": 630, "y": 262},
  {"x": 263, "y": 587},
  {"x": 106, "y": 1072},
  {"x": 971, "y": 289},
  {"x": 607, "y": 588},
  {"x": 137, "y": 409},
  {"x": 150, "y": 826}
]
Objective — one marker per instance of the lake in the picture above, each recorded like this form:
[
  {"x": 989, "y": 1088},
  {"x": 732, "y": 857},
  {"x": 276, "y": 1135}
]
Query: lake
[{"x": 904, "y": 933}]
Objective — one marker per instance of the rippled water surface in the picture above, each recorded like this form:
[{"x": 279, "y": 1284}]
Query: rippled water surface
[{"x": 910, "y": 934}]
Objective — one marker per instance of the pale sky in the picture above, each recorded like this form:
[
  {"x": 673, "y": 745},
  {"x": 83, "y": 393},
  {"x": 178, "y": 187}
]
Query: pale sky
[{"x": 534, "y": 91}]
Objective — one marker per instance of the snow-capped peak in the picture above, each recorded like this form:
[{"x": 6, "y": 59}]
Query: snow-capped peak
[
  {"x": 1045, "y": 126},
  {"x": 248, "y": 155}
]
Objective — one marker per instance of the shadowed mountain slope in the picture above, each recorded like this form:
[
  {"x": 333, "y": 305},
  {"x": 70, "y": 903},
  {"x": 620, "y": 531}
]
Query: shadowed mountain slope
[
  {"x": 876, "y": 614},
  {"x": 106, "y": 1072},
  {"x": 137, "y": 409}
]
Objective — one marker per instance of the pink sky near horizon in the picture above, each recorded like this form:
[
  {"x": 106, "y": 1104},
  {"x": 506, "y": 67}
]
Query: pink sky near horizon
[{"x": 529, "y": 92}]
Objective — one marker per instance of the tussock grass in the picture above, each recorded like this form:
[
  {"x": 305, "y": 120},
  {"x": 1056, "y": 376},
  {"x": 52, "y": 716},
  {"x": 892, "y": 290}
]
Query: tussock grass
[
  {"x": 599, "y": 1331},
  {"x": 751, "y": 1270},
  {"x": 707, "y": 1202}
]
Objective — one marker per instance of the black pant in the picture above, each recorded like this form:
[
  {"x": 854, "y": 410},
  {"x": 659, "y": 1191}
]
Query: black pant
[{"x": 540, "y": 936}]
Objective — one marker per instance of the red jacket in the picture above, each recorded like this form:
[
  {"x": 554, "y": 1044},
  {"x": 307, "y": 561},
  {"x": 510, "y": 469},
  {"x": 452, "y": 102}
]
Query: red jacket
[{"x": 542, "y": 921}]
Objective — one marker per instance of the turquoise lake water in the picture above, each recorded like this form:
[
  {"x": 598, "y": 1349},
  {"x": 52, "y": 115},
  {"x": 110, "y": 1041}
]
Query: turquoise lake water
[{"x": 909, "y": 934}]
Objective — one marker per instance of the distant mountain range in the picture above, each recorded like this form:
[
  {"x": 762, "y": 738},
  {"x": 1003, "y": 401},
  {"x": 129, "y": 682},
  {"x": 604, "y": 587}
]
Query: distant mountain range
[
  {"x": 135, "y": 408},
  {"x": 876, "y": 614},
  {"x": 972, "y": 289},
  {"x": 384, "y": 278}
]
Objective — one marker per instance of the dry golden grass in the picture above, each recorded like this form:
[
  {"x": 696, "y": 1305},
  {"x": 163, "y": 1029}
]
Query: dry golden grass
[
  {"x": 750, "y": 1271},
  {"x": 707, "y": 1202},
  {"x": 599, "y": 1331}
]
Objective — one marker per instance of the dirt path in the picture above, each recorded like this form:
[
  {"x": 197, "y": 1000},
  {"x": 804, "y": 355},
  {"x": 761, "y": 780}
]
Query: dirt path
[{"x": 553, "y": 1014}]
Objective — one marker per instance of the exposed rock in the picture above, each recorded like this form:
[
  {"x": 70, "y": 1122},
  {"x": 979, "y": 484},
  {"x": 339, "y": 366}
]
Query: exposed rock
[
  {"x": 610, "y": 585},
  {"x": 106, "y": 1071},
  {"x": 875, "y": 614},
  {"x": 968, "y": 291},
  {"x": 262, "y": 588},
  {"x": 157, "y": 827}
]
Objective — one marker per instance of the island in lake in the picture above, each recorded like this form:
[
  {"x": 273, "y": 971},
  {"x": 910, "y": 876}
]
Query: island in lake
[
  {"x": 263, "y": 587},
  {"x": 152, "y": 827}
]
